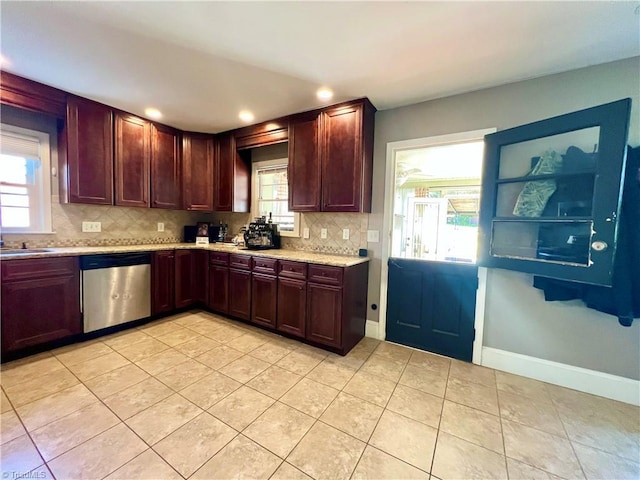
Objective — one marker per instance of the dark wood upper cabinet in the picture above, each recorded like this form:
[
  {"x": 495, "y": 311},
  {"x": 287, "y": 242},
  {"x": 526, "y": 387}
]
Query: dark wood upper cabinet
[
  {"x": 132, "y": 160},
  {"x": 232, "y": 182},
  {"x": 29, "y": 95},
  {"x": 262, "y": 134},
  {"x": 346, "y": 156},
  {"x": 166, "y": 188},
  {"x": 304, "y": 163},
  {"x": 87, "y": 176},
  {"x": 197, "y": 171}
]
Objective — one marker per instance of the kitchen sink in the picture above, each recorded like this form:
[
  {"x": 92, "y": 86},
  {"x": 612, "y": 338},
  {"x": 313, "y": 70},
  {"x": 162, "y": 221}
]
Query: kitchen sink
[{"x": 19, "y": 251}]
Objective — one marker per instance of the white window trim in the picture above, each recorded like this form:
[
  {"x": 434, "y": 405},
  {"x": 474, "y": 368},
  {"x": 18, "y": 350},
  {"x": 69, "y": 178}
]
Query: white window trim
[
  {"x": 43, "y": 196},
  {"x": 255, "y": 211}
]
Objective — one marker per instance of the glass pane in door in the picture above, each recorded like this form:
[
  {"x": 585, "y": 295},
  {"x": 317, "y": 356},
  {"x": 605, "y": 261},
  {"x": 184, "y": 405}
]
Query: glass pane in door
[{"x": 436, "y": 207}]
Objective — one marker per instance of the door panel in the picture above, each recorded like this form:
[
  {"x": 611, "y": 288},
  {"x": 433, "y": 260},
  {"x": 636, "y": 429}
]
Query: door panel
[{"x": 431, "y": 306}]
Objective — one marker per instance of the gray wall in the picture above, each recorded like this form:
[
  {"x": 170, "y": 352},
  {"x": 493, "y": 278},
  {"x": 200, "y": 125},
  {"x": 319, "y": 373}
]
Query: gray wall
[{"x": 517, "y": 318}]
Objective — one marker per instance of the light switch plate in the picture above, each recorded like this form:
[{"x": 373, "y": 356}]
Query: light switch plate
[
  {"x": 160, "y": 226},
  {"x": 305, "y": 233},
  {"x": 373, "y": 236},
  {"x": 323, "y": 233},
  {"x": 93, "y": 227},
  {"x": 345, "y": 234}
]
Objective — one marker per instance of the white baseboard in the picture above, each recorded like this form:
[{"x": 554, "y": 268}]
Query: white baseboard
[
  {"x": 371, "y": 329},
  {"x": 590, "y": 381}
]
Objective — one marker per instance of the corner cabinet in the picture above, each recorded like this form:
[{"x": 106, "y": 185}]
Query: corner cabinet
[
  {"x": 87, "y": 176},
  {"x": 331, "y": 158},
  {"x": 551, "y": 194},
  {"x": 232, "y": 182}
]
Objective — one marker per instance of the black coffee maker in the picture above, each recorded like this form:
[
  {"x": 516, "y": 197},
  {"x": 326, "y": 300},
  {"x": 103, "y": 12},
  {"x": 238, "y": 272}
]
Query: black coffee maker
[{"x": 262, "y": 235}]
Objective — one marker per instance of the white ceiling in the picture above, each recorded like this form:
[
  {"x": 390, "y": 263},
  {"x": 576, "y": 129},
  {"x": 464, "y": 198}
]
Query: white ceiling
[{"x": 200, "y": 63}]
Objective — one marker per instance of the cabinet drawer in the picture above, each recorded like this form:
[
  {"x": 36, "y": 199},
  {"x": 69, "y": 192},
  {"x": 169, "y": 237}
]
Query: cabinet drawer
[
  {"x": 325, "y": 274},
  {"x": 290, "y": 269},
  {"x": 27, "y": 269},
  {"x": 219, "y": 258},
  {"x": 240, "y": 261},
  {"x": 265, "y": 265}
]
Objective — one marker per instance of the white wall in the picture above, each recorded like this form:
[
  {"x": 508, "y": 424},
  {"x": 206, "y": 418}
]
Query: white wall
[{"x": 517, "y": 318}]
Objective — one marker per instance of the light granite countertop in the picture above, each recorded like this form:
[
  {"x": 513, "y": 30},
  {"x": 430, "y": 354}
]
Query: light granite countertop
[{"x": 295, "y": 255}]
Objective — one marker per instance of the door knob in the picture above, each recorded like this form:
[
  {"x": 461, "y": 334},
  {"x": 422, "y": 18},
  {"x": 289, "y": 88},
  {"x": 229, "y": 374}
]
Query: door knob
[{"x": 599, "y": 246}]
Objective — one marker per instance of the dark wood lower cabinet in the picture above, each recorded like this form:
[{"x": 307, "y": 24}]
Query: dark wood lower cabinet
[
  {"x": 292, "y": 306},
  {"x": 264, "y": 296},
  {"x": 191, "y": 277},
  {"x": 40, "y": 301},
  {"x": 162, "y": 282},
  {"x": 219, "y": 288},
  {"x": 240, "y": 293},
  {"x": 324, "y": 314}
]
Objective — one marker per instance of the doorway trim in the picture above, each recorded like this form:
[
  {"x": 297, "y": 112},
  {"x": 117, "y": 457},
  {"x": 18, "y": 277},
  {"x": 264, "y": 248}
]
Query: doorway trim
[{"x": 389, "y": 197}]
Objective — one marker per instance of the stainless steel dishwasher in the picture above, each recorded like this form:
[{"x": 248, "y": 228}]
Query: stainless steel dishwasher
[{"x": 116, "y": 288}]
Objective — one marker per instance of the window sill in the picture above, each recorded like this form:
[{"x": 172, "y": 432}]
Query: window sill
[{"x": 27, "y": 232}]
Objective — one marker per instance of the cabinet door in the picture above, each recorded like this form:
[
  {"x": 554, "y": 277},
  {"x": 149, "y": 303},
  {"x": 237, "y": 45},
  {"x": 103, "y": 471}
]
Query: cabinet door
[
  {"x": 200, "y": 279},
  {"x": 89, "y": 152},
  {"x": 219, "y": 288},
  {"x": 240, "y": 293},
  {"x": 232, "y": 177},
  {"x": 264, "y": 295},
  {"x": 162, "y": 282},
  {"x": 132, "y": 160},
  {"x": 166, "y": 188},
  {"x": 197, "y": 172},
  {"x": 324, "y": 314},
  {"x": 223, "y": 192},
  {"x": 183, "y": 275},
  {"x": 292, "y": 306},
  {"x": 341, "y": 155},
  {"x": 304, "y": 164},
  {"x": 551, "y": 195},
  {"x": 39, "y": 310}
]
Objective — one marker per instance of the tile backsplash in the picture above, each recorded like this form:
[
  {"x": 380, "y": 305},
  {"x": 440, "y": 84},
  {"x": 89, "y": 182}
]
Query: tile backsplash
[
  {"x": 134, "y": 226},
  {"x": 120, "y": 226}
]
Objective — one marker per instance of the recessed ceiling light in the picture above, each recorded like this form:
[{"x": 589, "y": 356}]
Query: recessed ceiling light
[
  {"x": 246, "y": 116},
  {"x": 153, "y": 113},
  {"x": 324, "y": 93},
  {"x": 4, "y": 61}
]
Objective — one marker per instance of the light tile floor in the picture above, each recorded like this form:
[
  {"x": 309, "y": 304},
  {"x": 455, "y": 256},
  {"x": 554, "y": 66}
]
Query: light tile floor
[{"x": 199, "y": 396}]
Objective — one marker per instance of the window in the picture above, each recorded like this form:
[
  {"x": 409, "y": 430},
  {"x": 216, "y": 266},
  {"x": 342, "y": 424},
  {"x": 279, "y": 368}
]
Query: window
[
  {"x": 25, "y": 184},
  {"x": 271, "y": 196}
]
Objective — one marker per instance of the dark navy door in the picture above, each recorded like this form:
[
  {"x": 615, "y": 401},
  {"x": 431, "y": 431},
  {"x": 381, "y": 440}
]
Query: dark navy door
[{"x": 431, "y": 306}]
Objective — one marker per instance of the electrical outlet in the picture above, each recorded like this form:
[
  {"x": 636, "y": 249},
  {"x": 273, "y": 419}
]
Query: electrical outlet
[
  {"x": 93, "y": 227},
  {"x": 323, "y": 233},
  {"x": 160, "y": 227},
  {"x": 305, "y": 233},
  {"x": 373, "y": 236},
  {"x": 345, "y": 234}
]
